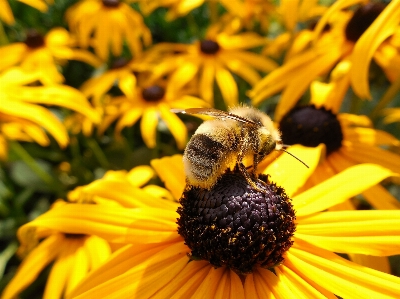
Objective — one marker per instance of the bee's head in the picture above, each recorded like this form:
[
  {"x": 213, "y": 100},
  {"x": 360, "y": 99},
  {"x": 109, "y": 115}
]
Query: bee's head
[{"x": 268, "y": 141}]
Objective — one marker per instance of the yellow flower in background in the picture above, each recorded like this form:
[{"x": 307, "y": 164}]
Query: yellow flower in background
[
  {"x": 121, "y": 74},
  {"x": 150, "y": 104},
  {"x": 105, "y": 24},
  {"x": 155, "y": 262},
  {"x": 370, "y": 41},
  {"x": 44, "y": 53},
  {"x": 214, "y": 59},
  {"x": 72, "y": 255},
  {"x": 23, "y": 118},
  {"x": 7, "y": 16},
  {"x": 333, "y": 50},
  {"x": 349, "y": 139}
]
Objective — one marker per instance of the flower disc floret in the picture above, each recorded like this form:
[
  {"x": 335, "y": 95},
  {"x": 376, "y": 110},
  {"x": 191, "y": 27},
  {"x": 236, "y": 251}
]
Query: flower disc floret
[
  {"x": 236, "y": 226},
  {"x": 311, "y": 126}
]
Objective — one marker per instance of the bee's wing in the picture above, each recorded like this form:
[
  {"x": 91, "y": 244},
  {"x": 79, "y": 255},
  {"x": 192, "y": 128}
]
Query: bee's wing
[{"x": 214, "y": 112}]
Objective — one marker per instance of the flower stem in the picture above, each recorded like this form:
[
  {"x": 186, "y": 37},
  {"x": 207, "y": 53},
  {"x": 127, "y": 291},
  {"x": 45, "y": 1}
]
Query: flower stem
[
  {"x": 99, "y": 154},
  {"x": 19, "y": 150},
  {"x": 387, "y": 98}
]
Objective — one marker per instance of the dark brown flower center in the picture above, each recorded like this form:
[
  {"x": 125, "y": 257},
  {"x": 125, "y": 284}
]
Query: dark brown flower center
[
  {"x": 209, "y": 47},
  {"x": 119, "y": 63},
  {"x": 34, "y": 39},
  {"x": 310, "y": 126},
  {"x": 236, "y": 226},
  {"x": 362, "y": 19},
  {"x": 74, "y": 236},
  {"x": 153, "y": 93},
  {"x": 111, "y": 3}
]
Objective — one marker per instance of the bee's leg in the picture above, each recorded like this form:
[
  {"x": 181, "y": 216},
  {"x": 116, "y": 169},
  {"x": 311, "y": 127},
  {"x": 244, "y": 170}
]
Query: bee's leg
[{"x": 249, "y": 178}]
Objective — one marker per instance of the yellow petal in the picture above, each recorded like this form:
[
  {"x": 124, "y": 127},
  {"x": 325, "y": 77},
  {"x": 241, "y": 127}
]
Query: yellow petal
[
  {"x": 6, "y": 14},
  {"x": 292, "y": 177},
  {"x": 80, "y": 268},
  {"x": 140, "y": 175},
  {"x": 148, "y": 126},
  {"x": 115, "y": 224},
  {"x": 393, "y": 115},
  {"x": 299, "y": 287},
  {"x": 364, "y": 232},
  {"x": 257, "y": 61},
  {"x": 206, "y": 88},
  {"x": 227, "y": 85},
  {"x": 140, "y": 278},
  {"x": 383, "y": 27},
  {"x": 209, "y": 284},
  {"x": 370, "y": 136},
  {"x": 39, "y": 115},
  {"x": 339, "y": 276},
  {"x": 38, "y": 4},
  {"x": 12, "y": 54},
  {"x": 381, "y": 199},
  {"x": 175, "y": 125},
  {"x": 339, "y": 188},
  {"x": 244, "y": 40},
  {"x": 128, "y": 85},
  {"x": 60, "y": 95},
  {"x": 186, "y": 280},
  {"x": 58, "y": 277},
  {"x": 242, "y": 69},
  {"x": 33, "y": 264},
  {"x": 129, "y": 118},
  {"x": 184, "y": 74},
  {"x": 171, "y": 172},
  {"x": 99, "y": 251},
  {"x": 372, "y": 154},
  {"x": 159, "y": 193},
  {"x": 297, "y": 87}
]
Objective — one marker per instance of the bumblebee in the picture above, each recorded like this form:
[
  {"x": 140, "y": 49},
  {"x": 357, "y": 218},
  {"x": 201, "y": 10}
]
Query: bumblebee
[{"x": 224, "y": 142}]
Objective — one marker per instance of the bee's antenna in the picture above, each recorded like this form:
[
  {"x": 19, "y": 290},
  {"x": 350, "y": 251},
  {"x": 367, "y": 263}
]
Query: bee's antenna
[{"x": 283, "y": 150}]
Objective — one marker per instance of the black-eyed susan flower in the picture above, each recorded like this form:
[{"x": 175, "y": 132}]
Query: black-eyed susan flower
[
  {"x": 214, "y": 59},
  {"x": 339, "y": 38},
  {"x": 121, "y": 74},
  {"x": 23, "y": 118},
  {"x": 349, "y": 139},
  {"x": 105, "y": 24},
  {"x": 72, "y": 255},
  {"x": 45, "y": 53},
  {"x": 150, "y": 104},
  {"x": 286, "y": 245}
]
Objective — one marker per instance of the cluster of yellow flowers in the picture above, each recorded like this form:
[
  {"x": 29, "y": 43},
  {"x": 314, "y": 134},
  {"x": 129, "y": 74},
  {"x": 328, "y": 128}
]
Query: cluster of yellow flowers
[{"x": 308, "y": 63}]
